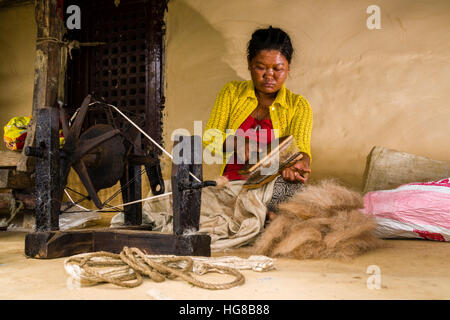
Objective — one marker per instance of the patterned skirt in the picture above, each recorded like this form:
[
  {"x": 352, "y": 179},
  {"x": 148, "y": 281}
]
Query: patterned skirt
[{"x": 282, "y": 191}]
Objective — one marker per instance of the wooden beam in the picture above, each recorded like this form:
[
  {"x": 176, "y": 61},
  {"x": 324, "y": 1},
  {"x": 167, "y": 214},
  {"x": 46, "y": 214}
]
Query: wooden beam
[
  {"x": 14, "y": 3},
  {"x": 47, "y": 68},
  {"x": 6, "y": 199},
  {"x": 9, "y": 159},
  {"x": 186, "y": 200},
  {"x": 12, "y": 179},
  {"x": 57, "y": 244}
]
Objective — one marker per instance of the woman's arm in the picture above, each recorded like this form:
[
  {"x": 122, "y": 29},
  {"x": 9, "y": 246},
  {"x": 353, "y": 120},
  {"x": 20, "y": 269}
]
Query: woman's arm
[
  {"x": 301, "y": 128},
  {"x": 215, "y": 130}
]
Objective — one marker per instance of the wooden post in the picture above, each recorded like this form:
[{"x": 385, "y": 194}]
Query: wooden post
[
  {"x": 132, "y": 192},
  {"x": 186, "y": 200},
  {"x": 50, "y": 29},
  {"x": 48, "y": 186},
  {"x": 132, "y": 181}
]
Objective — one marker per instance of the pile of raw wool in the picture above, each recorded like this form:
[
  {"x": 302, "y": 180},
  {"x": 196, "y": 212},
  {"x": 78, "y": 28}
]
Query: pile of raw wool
[{"x": 320, "y": 221}]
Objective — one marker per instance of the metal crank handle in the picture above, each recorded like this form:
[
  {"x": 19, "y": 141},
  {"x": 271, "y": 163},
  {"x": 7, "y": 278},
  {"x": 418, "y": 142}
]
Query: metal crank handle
[{"x": 197, "y": 185}]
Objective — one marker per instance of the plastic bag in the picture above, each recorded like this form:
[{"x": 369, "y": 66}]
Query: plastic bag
[
  {"x": 67, "y": 220},
  {"x": 414, "y": 210},
  {"x": 70, "y": 220},
  {"x": 15, "y": 133}
]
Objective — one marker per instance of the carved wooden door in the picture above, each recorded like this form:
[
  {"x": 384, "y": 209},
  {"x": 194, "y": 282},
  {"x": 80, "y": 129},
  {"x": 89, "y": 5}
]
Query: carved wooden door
[
  {"x": 128, "y": 69},
  {"x": 121, "y": 61}
]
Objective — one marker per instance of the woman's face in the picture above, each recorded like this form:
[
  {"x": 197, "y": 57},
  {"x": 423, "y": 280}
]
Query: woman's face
[{"x": 269, "y": 69}]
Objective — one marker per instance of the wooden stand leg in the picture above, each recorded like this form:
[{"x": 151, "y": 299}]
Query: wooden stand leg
[
  {"x": 48, "y": 193},
  {"x": 132, "y": 192},
  {"x": 186, "y": 200},
  {"x": 186, "y": 215}
]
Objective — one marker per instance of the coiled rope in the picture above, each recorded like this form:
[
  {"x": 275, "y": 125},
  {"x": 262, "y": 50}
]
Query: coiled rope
[{"x": 127, "y": 268}]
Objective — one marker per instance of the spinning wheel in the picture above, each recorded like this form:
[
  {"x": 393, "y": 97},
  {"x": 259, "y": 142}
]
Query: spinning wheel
[
  {"x": 97, "y": 155},
  {"x": 122, "y": 66},
  {"x": 101, "y": 156}
]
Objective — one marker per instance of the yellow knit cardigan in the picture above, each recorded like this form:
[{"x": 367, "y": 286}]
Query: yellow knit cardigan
[{"x": 290, "y": 113}]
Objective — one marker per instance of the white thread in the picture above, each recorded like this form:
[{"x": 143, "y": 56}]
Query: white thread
[
  {"x": 150, "y": 138},
  {"x": 142, "y": 200},
  {"x": 142, "y": 131},
  {"x": 120, "y": 205},
  {"x": 67, "y": 194}
]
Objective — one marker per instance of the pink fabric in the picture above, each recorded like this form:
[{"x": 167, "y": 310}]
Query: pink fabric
[
  {"x": 412, "y": 210},
  {"x": 418, "y": 207}
]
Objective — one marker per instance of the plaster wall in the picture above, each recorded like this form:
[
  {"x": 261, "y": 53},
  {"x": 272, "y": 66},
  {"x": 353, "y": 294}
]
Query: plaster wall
[
  {"x": 17, "y": 52},
  {"x": 388, "y": 87}
]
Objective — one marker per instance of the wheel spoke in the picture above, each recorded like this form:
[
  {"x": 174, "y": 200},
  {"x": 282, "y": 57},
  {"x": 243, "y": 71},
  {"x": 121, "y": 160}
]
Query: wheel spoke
[{"x": 80, "y": 168}]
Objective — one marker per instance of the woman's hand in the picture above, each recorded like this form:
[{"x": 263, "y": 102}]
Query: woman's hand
[{"x": 299, "y": 172}]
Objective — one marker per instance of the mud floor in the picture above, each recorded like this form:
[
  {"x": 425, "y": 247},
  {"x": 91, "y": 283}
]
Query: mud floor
[{"x": 409, "y": 269}]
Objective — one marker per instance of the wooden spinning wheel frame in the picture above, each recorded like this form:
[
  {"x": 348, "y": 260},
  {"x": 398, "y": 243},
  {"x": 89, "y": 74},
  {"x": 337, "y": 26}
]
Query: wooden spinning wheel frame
[{"x": 123, "y": 69}]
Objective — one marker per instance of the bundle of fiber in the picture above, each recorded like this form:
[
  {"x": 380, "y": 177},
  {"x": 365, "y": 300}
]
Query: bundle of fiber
[{"x": 320, "y": 221}]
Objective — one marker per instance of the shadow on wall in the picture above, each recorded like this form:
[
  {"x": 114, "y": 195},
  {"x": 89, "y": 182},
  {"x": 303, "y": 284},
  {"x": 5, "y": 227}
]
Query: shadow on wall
[{"x": 195, "y": 73}]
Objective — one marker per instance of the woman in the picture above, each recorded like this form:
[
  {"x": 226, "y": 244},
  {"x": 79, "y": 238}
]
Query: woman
[
  {"x": 231, "y": 215},
  {"x": 263, "y": 103}
]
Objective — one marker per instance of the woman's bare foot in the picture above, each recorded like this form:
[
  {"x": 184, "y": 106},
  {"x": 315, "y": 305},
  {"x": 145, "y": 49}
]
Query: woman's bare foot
[{"x": 271, "y": 215}]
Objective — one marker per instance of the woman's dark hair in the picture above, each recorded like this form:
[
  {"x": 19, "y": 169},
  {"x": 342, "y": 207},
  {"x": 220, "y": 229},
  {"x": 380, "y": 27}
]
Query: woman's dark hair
[{"x": 270, "y": 39}]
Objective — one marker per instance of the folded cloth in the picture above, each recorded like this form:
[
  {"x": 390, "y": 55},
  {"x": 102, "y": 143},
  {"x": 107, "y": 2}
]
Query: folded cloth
[{"x": 231, "y": 215}]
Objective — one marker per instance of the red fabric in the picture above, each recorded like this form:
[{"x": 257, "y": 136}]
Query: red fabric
[
  {"x": 248, "y": 130},
  {"x": 430, "y": 235},
  {"x": 61, "y": 8}
]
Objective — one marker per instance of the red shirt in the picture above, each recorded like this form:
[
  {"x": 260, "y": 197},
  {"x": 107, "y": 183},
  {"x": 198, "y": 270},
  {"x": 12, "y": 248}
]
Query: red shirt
[{"x": 251, "y": 129}]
